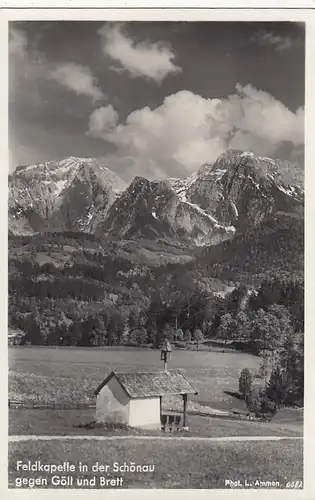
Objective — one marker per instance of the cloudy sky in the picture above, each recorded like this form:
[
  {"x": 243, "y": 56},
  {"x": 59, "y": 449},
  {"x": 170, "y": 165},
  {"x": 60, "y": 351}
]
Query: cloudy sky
[{"x": 155, "y": 99}]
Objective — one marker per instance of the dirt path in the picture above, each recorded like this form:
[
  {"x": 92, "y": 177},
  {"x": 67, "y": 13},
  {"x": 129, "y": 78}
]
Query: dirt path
[{"x": 20, "y": 438}]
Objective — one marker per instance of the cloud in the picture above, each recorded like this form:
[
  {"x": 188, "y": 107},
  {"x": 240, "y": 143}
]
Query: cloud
[
  {"x": 28, "y": 67},
  {"x": 279, "y": 42},
  {"x": 259, "y": 114},
  {"x": 141, "y": 59},
  {"x": 31, "y": 65},
  {"x": 298, "y": 155},
  {"x": 17, "y": 42},
  {"x": 102, "y": 120},
  {"x": 78, "y": 79},
  {"x": 188, "y": 130}
]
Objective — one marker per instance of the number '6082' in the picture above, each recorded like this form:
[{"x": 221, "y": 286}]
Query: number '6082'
[{"x": 294, "y": 484}]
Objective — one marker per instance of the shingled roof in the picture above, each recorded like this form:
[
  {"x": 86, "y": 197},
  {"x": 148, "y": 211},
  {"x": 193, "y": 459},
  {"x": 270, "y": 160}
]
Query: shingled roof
[{"x": 144, "y": 384}]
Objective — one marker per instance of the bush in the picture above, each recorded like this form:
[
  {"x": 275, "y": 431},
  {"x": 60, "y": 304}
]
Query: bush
[
  {"x": 245, "y": 383},
  {"x": 259, "y": 404}
]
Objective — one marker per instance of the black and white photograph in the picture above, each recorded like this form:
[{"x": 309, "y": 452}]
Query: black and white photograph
[{"x": 156, "y": 254}]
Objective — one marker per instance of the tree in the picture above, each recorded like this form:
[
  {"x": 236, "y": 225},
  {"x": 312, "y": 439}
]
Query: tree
[
  {"x": 115, "y": 328},
  {"x": 236, "y": 300},
  {"x": 75, "y": 332},
  {"x": 198, "y": 308},
  {"x": 134, "y": 318},
  {"x": 268, "y": 329},
  {"x": 168, "y": 333},
  {"x": 157, "y": 313},
  {"x": 100, "y": 332},
  {"x": 198, "y": 336},
  {"x": 283, "y": 327},
  {"x": 263, "y": 369},
  {"x": 138, "y": 336},
  {"x": 53, "y": 337},
  {"x": 32, "y": 331},
  {"x": 86, "y": 336},
  {"x": 284, "y": 290},
  {"x": 291, "y": 363},
  {"x": 242, "y": 328},
  {"x": 276, "y": 388},
  {"x": 194, "y": 309},
  {"x": 226, "y": 328},
  {"x": 259, "y": 404},
  {"x": 187, "y": 336},
  {"x": 261, "y": 330},
  {"x": 245, "y": 383},
  {"x": 158, "y": 337},
  {"x": 151, "y": 335}
]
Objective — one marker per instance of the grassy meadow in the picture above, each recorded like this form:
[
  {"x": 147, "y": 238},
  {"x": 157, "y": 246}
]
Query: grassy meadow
[{"x": 70, "y": 375}]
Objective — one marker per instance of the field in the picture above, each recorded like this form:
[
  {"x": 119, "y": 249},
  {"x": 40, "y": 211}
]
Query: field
[
  {"x": 70, "y": 375},
  {"x": 65, "y": 375}
]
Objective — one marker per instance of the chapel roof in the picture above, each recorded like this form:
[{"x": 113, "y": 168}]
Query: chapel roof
[{"x": 151, "y": 384}]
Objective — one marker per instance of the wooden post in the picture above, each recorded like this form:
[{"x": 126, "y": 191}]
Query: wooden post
[
  {"x": 161, "y": 408},
  {"x": 185, "y": 410}
]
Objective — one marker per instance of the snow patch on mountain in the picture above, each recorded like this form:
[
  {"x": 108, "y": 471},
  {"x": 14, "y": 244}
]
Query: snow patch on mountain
[
  {"x": 201, "y": 211},
  {"x": 290, "y": 191},
  {"x": 247, "y": 154},
  {"x": 59, "y": 187},
  {"x": 234, "y": 208},
  {"x": 181, "y": 186}
]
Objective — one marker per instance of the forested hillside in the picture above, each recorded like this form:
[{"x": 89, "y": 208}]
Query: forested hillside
[{"x": 71, "y": 289}]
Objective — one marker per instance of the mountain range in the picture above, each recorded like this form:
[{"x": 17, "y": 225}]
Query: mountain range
[{"x": 222, "y": 200}]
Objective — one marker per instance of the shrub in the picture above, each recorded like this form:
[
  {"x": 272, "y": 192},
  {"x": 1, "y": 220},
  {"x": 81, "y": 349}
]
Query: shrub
[
  {"x": 245, "y": 383},
  {"x": 259, "y": 404}
]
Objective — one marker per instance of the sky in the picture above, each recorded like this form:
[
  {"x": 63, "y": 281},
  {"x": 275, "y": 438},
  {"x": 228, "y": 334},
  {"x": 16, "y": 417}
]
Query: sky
[{"x": 155, "y": 99}]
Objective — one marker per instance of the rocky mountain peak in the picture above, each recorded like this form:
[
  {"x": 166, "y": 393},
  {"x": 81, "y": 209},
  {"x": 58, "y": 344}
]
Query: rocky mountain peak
[
  {"x": 60, "y": 194},
  {"x": 240, "y": 188}
]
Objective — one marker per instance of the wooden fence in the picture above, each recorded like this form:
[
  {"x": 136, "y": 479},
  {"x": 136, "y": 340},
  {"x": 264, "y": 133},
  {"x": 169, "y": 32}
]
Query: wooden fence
[{"x": 50, "y": 406}]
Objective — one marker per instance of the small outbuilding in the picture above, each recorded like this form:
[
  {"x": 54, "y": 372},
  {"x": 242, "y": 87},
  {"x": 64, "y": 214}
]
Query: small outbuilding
[{"x": 135, "y": 398}]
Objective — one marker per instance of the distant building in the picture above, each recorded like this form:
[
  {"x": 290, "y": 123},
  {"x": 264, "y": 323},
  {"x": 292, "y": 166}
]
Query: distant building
[
  {"x": 135, "y": 398},
  {"x": 15, "y": 336}
]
